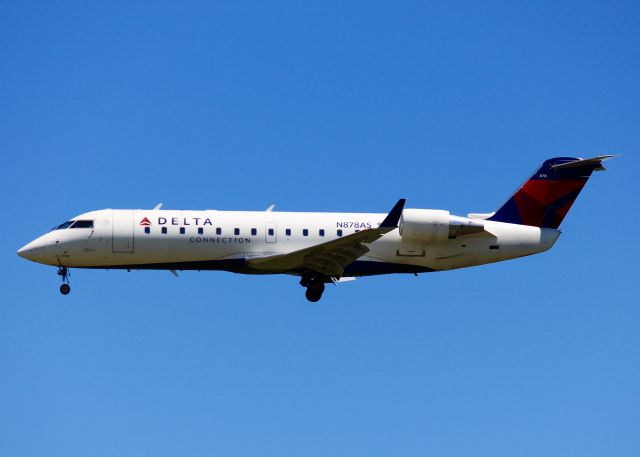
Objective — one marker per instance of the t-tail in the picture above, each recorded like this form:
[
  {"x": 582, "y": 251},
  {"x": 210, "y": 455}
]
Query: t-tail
[{"x": 545, "y": 199}]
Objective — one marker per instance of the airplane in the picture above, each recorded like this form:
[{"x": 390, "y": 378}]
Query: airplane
[{"x": 320, "y": 248}]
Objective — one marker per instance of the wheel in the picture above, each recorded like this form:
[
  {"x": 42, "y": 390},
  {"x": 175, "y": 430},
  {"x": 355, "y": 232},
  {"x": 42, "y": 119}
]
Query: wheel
[
  {"x": 65, "y": 289},
  {"x": 312, "y": 295},
  {"x": 314, "y": 291}
]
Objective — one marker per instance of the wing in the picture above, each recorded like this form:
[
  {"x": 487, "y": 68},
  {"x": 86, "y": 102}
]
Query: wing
[{"x": 332, "y": 257}]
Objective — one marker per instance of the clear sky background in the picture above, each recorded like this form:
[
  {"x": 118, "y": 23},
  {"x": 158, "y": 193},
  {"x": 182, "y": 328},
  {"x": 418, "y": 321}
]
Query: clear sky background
[{"x": 324, "y": 106}]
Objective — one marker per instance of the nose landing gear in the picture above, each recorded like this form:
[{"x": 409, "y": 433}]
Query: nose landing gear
[
  {"x": 63, "y": 272},
  {"x": 314, "y": 285}
]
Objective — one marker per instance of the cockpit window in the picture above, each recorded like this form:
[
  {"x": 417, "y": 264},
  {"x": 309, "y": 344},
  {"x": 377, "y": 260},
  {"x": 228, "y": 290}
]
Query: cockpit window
[
  {"x": 82, "y": 224},
  {"x": 62, "y": 226}
]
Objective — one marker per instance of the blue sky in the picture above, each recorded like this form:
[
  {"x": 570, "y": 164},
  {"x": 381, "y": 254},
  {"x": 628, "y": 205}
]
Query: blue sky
[{"x": 319, "y": 106}]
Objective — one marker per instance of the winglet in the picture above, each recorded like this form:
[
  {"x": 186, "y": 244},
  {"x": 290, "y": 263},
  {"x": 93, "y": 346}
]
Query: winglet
[{"x": 392, "y": 219}]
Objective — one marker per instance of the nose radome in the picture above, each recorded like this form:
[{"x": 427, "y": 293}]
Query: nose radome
[
  {"x": 24, "y": 251},
  {"x": 32, "y": 251},
  {"x": 28, "y": 251}
]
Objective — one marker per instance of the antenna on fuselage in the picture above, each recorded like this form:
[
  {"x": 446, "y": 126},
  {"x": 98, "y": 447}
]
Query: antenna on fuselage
[
  {"x": 158, "y": 206},
  {"x": 269, "y": 209}
]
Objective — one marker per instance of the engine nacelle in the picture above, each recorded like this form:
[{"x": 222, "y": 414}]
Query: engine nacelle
[
  {"x": 429, "y": 225},
  {"x": 433, "y": 225}
]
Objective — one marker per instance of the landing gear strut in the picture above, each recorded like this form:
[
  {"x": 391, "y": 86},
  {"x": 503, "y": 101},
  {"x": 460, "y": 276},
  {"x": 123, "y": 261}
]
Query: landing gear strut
[
  {"x": 314, "y": 285},
  {"x": 63, "y": 272}
]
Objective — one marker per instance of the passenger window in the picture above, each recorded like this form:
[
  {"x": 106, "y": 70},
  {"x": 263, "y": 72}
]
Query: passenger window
[
  {"x": 254, "y": 232},
  {"x": 164, "y": 230},
  {"x": 218, "y": 231},
  {"x": 287, "y": 232},
  {"x": 321, "y": 232},
  {"x": 236, "y": 231},
  {"x": 305, "y": 232},
  {"x": 181, "y": 230},
  {"x": 82, "y": 224},
  {"x": 271, "y": 232},
  {"x": 147, "y": 230},
  {"x": 339, "y": 232},
  {"x": 200, "y": 230}
]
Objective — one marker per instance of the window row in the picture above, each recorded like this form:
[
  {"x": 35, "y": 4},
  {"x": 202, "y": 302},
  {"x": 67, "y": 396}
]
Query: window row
[{"x": 236, "y": 231}]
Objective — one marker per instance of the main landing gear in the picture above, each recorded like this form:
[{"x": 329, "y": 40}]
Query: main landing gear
[
  {"x": 63, "y": 272},
  {"x": 314, "y": 285}
]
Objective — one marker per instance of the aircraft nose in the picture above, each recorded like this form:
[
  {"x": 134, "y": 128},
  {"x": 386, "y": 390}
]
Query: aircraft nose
[
  {"x": 27, "y": 251},
  {"x": 23, "y": 252},
  {"x": 32, "y": 251}
]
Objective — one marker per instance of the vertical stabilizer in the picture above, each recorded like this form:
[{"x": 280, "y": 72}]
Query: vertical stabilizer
[{"x": 545, "y": 198}]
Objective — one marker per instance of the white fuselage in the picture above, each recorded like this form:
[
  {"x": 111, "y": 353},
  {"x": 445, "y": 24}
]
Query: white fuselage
[{"x": 222, "y": 240}]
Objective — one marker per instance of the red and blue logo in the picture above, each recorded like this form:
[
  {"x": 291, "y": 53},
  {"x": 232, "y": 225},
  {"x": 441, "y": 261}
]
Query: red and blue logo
[{"x": 545, "y": 199}]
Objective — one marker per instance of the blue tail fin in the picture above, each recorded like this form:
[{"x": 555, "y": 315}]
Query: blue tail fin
[{"x": 545, "y": 199}]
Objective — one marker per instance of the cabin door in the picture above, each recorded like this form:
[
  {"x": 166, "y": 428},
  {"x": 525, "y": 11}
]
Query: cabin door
[{"x": 122, "y": 231}]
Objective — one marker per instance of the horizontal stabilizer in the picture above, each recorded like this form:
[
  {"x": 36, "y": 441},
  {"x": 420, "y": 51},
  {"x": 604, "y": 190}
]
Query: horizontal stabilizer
[{"x": 595, "y": 162}]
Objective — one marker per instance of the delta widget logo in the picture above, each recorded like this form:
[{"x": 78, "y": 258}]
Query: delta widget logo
[{"x": 145, "y": 222}]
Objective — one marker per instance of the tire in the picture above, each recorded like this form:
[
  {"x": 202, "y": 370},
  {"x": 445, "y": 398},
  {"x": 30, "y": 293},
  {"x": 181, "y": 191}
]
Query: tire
[
  {"x": 65, "y": 289},
  {"x": 312, "y": 295},
  {"x": 314, "y": 291}
]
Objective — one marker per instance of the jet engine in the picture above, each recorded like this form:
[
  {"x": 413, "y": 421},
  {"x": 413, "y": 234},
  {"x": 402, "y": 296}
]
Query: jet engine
[{"x": 433, "y": 225}]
